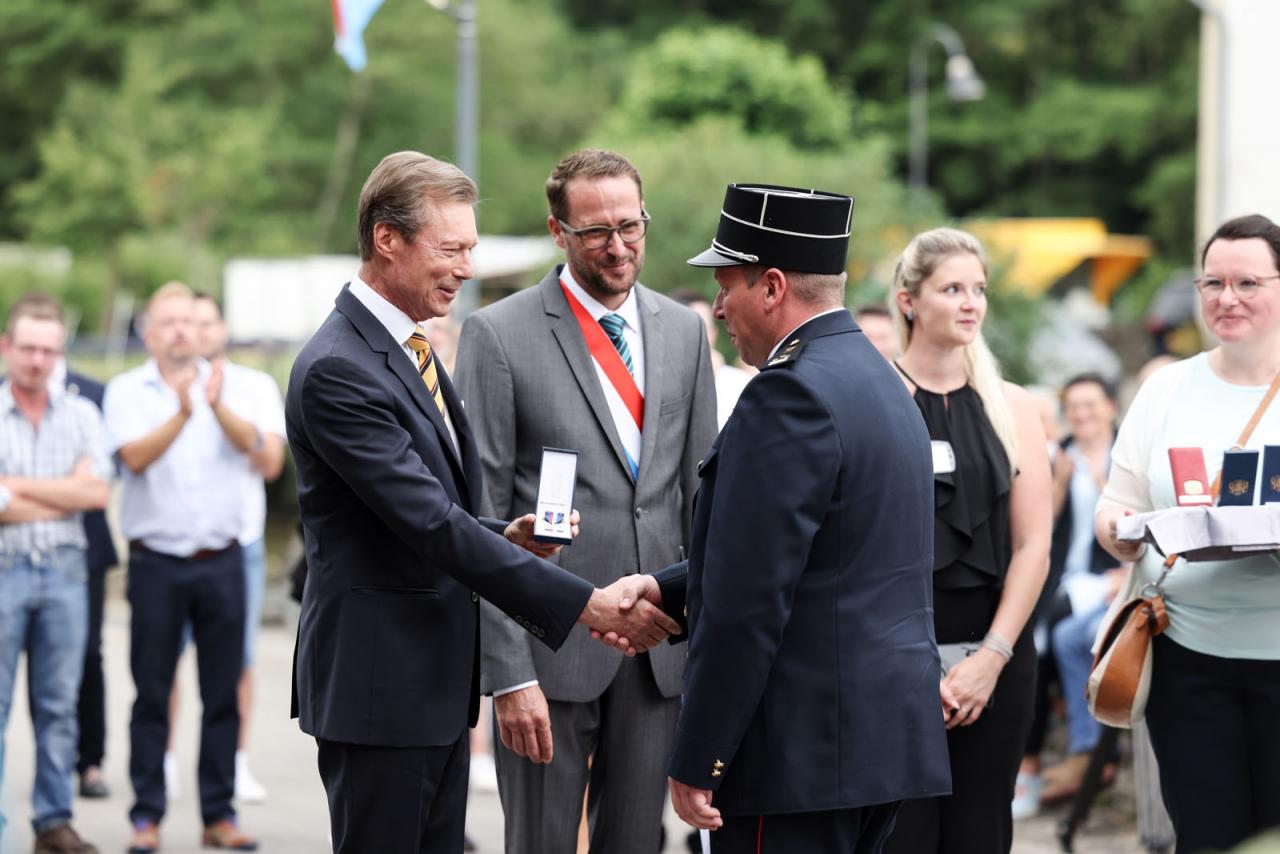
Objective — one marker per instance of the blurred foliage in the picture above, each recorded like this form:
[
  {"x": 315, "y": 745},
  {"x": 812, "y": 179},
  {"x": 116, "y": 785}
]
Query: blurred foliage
[
  {"x": 156, "y": 138},
  {"x": 1090, "y": 107},
  {"x": 203, "y": 131},
  {"x": 688, "y": 74}
]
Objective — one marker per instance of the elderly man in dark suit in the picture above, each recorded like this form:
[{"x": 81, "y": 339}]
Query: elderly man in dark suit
[
  {"x": 811, "y": 705},
  {"x": 389, "y": 481},
  {"x": 591, "y": 360}
]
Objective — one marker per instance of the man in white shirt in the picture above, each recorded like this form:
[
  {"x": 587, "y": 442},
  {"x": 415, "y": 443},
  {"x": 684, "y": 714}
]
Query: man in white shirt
[
  {"x": 185, "y": 452},
  {"x": 266, "y": 411}
]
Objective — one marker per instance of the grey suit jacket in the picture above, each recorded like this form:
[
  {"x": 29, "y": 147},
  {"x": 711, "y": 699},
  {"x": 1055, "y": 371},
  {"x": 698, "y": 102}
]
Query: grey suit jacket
[{"x": 528, "y": 382}]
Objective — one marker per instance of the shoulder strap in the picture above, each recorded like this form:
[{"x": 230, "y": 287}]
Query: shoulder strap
[
  {"x": 1259, "y": 412},
  {"x": 905, "y": 375}
]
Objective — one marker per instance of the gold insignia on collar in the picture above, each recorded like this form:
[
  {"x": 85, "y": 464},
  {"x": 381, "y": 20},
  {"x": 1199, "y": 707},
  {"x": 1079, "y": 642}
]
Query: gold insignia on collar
[{"x": 788, "y": 353}]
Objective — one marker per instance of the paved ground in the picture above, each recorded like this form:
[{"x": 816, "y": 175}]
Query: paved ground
[{"x": 295, "y": 819}]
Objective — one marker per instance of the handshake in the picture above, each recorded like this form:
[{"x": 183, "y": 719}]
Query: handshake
[{"x": 627, "y": 615}]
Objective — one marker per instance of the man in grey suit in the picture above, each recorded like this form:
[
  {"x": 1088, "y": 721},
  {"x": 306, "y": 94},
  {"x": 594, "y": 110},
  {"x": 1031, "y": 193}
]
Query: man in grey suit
[{"x": 592, "y": 361}]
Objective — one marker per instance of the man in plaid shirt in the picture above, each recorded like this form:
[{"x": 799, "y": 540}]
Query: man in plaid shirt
[{"x": 53, "y": 465}]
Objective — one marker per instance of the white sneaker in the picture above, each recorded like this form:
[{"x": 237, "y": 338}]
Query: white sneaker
[
  {"x": 484, "y": 775},
  {"x": 172, "y": 788},
  {"x": 248, "y": 789}
]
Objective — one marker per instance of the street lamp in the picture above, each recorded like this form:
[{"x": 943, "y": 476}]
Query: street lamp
[
  {"x": 963, "y": 84},
  {"x": 466, "y": 108}
]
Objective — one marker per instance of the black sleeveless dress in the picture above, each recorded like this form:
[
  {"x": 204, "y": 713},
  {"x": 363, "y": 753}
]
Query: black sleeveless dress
[{"x": 972, "y": 548}]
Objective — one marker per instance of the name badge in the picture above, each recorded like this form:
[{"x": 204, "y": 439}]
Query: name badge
[
  {"x": 556, "y": 480},
  {"x": 944, "y": 458}
]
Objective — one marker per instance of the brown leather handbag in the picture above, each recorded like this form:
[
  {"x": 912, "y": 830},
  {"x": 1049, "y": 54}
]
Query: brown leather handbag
[{"x": 1121, "y": 675}]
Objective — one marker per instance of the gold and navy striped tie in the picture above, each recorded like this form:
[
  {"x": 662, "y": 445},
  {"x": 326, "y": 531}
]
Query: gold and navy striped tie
[{"x": 419, "y": 344}]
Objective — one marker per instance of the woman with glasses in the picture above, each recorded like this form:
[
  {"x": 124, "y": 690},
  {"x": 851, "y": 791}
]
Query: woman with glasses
[
  {"x": 992, "y": 521},
  {"x": 1214, "y": 706}
]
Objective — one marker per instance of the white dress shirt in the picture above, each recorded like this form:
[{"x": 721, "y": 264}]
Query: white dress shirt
[
  {"x": 265, "y": 412},
  {"x": 400, "y": 326},
  {"x": 192, "y": 497}
]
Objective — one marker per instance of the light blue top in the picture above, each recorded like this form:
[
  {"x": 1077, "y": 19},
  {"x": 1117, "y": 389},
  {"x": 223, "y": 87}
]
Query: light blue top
[
  {"x": 1083, "y": 494},
  {"x": 1230, "y": 609}
]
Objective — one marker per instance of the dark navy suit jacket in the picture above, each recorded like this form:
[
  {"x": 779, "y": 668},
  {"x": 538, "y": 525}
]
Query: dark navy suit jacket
[
  {"x": 388, "y": 635},
  {"x": 812, "y": 681},
  {"x": 101, "y": 554}
]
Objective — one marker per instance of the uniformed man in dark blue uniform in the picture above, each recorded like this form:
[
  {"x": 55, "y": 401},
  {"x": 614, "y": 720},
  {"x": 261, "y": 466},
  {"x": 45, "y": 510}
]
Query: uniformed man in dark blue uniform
[{"x": 811, "y": 706}]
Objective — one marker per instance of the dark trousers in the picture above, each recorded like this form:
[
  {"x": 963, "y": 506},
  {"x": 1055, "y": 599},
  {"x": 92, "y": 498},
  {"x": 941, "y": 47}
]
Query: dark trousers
[
  {"x": 408, "y": 800},
  {"x": 92, "y": 706},
  {"x": 1213, "y": 724},
  {"x": 976, "y": 818},
  {"x": 166, "y": 592},
  {"x": 862, "y": 830}
]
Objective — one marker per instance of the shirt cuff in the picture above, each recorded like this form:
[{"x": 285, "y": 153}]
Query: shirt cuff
[
  {"x": 521, "y": 686},
  {"x": 6, "y": 497}
]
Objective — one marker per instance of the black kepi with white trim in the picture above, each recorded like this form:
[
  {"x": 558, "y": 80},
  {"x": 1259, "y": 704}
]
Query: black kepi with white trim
[{"x": 801, "y": 231}]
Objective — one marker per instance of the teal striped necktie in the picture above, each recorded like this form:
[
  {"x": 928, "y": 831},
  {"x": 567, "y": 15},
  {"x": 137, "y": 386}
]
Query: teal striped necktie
[{"x": 612, "y": 325}]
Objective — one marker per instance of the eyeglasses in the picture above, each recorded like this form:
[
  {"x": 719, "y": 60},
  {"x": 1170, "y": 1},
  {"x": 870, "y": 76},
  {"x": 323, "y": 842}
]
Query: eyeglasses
[
  {"x": 1246, "y": 287},
  {"x": 598, "y": 236}
]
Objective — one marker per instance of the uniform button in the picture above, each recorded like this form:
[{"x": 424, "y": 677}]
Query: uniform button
[
  {"x": 475, "y": 597},
  {"x": 639, "y": 512},
  {"x": 715, "y": 773}
]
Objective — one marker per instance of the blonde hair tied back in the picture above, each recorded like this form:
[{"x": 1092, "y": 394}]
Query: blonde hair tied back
[{"x": 918, "y": 261}]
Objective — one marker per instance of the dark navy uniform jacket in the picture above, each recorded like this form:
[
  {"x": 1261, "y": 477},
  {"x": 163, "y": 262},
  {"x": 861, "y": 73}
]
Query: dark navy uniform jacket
[{"x": 812, "y": 681}]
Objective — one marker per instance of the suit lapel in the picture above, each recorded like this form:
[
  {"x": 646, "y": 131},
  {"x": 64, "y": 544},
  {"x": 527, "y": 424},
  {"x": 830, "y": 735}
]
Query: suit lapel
[
  {"x": 472, "y": 473},
  {"x": 379, "y": 340},
  {"x": 564, "y": 327},
  {"x": 654, "y": 373}
]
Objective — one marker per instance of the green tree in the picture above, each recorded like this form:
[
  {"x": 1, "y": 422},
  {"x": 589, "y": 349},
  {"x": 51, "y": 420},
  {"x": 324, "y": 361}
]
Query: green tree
[
  {"x": 688, "y": 74},
  {"x": 1090, "y": 106}
]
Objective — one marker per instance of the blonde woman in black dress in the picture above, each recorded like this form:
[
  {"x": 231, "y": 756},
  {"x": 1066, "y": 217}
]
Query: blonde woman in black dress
[{"x": 992, "y": 527}]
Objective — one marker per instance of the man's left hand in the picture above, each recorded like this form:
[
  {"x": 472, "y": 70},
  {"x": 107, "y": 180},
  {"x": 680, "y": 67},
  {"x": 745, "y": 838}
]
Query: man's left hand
[
  {"x": 520, "y": 532},
  {"x": 694, "y": 806}
]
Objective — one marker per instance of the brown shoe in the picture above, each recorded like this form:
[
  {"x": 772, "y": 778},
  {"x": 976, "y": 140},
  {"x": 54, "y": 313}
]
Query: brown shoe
[
  {"x": 225, "y": 834},
  {"x": 62, "y": 840},
  {"x": 145, "y": 839}
]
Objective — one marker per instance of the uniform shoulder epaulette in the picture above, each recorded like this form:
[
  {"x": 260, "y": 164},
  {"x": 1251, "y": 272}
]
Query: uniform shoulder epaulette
[{"x": 786, "y": 355}]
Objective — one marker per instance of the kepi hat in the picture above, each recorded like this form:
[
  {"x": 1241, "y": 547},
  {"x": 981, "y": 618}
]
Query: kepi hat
[{"x": 802, "y": 231}]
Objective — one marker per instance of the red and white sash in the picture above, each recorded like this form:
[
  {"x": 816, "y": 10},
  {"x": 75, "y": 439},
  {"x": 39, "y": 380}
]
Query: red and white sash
[{"x": 626, "y": 403}]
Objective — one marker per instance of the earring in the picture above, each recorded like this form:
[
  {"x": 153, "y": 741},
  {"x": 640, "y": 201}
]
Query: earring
[{"x": 911, "y": 315}]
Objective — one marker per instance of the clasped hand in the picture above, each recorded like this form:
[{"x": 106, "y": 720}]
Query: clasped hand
[{"x": 627, "y": 615}]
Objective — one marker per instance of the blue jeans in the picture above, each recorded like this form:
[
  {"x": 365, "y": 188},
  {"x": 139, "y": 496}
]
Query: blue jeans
[
  {"x": 44, "y": 605},
  {"x": 255, "y": 583},
  {"x": 1072, "y": 640}
]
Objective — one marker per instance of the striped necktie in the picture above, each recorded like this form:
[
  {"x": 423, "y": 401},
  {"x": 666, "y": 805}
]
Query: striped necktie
[
  {"x": 612, "y": 325},
  {"x": 419, "y": 344}
]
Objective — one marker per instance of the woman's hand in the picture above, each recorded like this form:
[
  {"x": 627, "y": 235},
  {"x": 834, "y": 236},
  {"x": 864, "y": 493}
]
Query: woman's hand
[
  {"x": 1126, "y": 551},
  {"x": 971, "y": 683}
]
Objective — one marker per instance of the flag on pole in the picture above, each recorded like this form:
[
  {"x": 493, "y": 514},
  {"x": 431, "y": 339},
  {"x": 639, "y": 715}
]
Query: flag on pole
[{"x": 350, "y": 17}]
